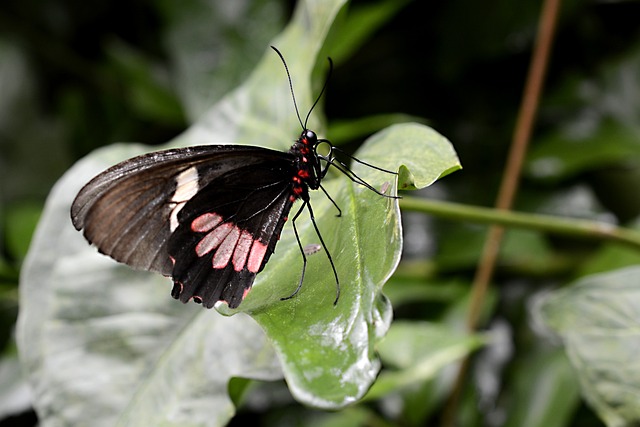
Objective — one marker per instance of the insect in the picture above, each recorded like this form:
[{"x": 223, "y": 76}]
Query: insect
[
  {"x": 208, "y": 216},
  {"x": 311, "y": 248}
]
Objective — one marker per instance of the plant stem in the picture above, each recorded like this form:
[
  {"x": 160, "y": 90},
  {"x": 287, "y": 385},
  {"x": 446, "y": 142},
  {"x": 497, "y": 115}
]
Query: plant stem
[
  {"x": 579, "y": 228},
  {"x": 509, "y": 185}
]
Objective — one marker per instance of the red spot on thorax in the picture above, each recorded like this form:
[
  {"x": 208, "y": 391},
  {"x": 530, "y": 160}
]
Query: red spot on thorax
[{"x": 302, "y": 173}]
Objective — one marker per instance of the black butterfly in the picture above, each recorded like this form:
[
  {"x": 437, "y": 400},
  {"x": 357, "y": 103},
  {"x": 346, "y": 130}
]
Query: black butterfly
[{"x": 208, "y": 216}]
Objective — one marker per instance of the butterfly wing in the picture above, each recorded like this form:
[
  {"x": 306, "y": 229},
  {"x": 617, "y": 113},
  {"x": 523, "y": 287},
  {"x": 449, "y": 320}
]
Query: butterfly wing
[
  {"x": 132, "y": 211},
  {"x": 227, "y": 232}
]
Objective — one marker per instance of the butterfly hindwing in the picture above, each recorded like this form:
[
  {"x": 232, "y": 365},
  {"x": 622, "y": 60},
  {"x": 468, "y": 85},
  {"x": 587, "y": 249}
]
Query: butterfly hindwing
[
  {"x": 131, "y": 211},
  {"x": 227, "y": 232}
]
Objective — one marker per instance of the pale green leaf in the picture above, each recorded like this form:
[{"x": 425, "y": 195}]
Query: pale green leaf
[{"x": 598, "y": 318}]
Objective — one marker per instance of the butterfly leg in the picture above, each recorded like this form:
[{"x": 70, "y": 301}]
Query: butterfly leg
[
  {"x": 332, "y": 201},
  {"x": 304, "y": 257},
  {"x": 333, "y": 267},
  {"x": 332, "y": 160}
]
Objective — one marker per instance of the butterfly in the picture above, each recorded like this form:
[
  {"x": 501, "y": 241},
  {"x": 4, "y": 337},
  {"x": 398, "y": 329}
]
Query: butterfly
[{"x": 209, "y": 216}]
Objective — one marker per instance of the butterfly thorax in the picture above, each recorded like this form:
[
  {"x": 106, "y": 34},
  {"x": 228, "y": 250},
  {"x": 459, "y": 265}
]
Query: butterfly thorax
[{"x": 307, "y": 164}]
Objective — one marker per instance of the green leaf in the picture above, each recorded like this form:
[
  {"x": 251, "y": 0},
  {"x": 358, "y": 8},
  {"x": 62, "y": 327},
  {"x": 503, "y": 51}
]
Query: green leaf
[
  {"x": 418, "y": 351},
  {"x": 149, "y": 91},
  {"x": 421, "y": 167},
  {"x": 543, "y": 391},
  {"x": 331, "y": 353},
  {"x": 214, "y": 44},
  {"x": 362, "y": 20},
  {"x": 597, "y": 318},
  {"x": 563, "y": 155},
  {"x": 21, "y": 221},
  {"x": 521, "y": 249},
  {"x": 605, "y": 129},
  {"x": 336, "y": 343},
  {"x": 410, "y": 290}
]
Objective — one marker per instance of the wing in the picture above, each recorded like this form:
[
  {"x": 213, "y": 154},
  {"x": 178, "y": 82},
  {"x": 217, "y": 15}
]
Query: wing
[
  {"x": 130, "y": 210},
  {"x": 227, "y": 232}
]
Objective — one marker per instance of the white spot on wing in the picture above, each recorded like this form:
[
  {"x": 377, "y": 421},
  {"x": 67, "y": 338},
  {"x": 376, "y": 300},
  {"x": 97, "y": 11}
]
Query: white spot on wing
[{"x": 186, "y": 187}]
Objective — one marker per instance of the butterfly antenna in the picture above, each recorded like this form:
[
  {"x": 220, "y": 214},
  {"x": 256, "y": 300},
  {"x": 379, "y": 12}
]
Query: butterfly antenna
[
  {"x": 293, "y": 96},
  {"x": 326, "y": 82}
]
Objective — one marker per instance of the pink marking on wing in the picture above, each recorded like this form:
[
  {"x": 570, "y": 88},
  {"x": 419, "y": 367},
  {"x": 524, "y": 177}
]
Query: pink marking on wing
[
  {"x": 224, "y": 252},
  {"x": 241, "y": 253},
  {"x": 213, "y": 239},
  {"x": 258, "y": 250},
  {"x": 205, "y": 222}
]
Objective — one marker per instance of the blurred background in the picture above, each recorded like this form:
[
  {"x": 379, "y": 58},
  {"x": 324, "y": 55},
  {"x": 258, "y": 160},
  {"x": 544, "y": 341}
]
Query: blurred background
[{"x": 78, "y": 75}]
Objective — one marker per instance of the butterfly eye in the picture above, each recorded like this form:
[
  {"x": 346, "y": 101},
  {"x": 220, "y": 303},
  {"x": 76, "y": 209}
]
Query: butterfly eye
[{"x": 311, "y": 137}]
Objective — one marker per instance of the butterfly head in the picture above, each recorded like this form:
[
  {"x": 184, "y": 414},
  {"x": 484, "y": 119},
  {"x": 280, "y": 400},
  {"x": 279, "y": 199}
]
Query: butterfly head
[{"x": 308, "y": 138}]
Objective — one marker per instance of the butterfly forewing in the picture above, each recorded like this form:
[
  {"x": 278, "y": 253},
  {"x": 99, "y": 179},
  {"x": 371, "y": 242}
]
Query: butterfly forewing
[{"x": 132, "y": 210}]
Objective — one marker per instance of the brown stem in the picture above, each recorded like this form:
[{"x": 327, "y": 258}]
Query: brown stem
[{"x": 509, "y": 184}]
